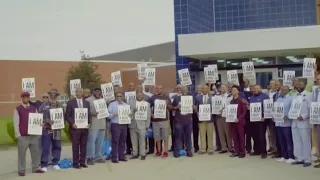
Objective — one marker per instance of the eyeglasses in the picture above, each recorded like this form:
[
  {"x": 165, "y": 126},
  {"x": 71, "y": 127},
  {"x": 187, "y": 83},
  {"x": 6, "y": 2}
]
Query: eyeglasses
[
  {"x": 45, "y": 97},
  {"x": 119, "y": 96}
]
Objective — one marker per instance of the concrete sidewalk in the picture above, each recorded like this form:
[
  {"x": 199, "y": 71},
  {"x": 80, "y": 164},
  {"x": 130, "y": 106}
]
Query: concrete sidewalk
[{"x": 202, "y": 167}]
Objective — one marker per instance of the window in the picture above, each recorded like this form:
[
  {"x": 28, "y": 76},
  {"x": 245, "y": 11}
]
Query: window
[{"x": 63, "y": 99}]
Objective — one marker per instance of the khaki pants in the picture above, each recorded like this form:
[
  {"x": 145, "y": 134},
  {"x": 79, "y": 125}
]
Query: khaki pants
[
  {"x": 206, "y": 129},
  {"x": 224, "y": 133},
  {"x": 315, "y": 140}
]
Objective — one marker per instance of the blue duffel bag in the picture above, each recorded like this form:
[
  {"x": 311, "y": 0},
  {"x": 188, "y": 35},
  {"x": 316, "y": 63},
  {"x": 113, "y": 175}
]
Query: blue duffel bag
[
  {"x": 65, "y": 163},
  {"x": 106, "y": 151}
]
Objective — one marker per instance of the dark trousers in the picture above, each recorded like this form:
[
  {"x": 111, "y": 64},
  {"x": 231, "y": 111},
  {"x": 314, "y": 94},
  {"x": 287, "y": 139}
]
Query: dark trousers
[
  {"x": 259, "y": 137},
  {"x": 218, "y": 143},
  {"x": 182, "y": 137},
  {"x": 79, "y": 139},
  {"x": 128, "y": 142},
  {"x": 238, "y": 136},
  {"x": 49, "y": 144},
  {"x": 195, "y": 131},
  {"x": 286, "y": 143},
  {"x": 248, "y": 128},
  {"x": 119, "y": 135},
  {"x": 172, "y": 130}
]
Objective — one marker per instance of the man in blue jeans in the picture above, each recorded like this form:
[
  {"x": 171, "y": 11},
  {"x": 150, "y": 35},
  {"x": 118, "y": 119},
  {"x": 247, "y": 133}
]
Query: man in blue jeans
[
  {"x": 96, "y": 131},
  {"x": 182, "y": 126}
]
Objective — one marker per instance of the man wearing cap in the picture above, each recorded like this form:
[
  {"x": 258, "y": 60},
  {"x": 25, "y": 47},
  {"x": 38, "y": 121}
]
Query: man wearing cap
[
  {"x": 26, "y": 141},
  {"x": 96, "y": 131},
  {"x": 50, "y": 139},
  {"x": 79, "y": 136}
]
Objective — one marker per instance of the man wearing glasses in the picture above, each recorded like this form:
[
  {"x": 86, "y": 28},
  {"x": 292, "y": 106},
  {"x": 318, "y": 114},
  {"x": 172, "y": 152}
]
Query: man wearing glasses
[{"x": 38, "y": 103}]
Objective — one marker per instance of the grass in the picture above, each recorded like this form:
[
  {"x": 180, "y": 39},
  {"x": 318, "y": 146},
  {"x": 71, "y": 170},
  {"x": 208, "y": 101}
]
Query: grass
[{"x": 7, "y": 142}]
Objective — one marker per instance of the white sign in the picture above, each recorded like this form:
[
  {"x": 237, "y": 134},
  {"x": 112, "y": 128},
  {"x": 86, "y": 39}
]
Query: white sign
[
  {"x": 217, "y": 104},
  {"x": 124, "y": 113},
  {"x": 232, "y": 113},
  {"x": 141, "y": 70},
  {"x": 295, "y": 108},
  {"x": 255, "y": 112},
  {"x": 248, "y": 72},
  {"x": 56, "y": 115},
  {"x": 186, "y": 105},
  {"x": 35, "y": 122},
  {"x": 150, "y": 77},
  {"x": 142, "y": 111},
  {"x": 184, "y": 77},
  {"x": 74, "y": 85},
  {"x": 116, "y": 78},
  {"x": 204, "y": 112},
  {"x": 160, "y": 109},
  {"x": 107, "y": 91},
  {"x": 278, "y": 112},
  {"x": 268, "y": 108},
  {"x": 81, "y": 118},
  {"x": 28, "y": 85},
  {"x": 209, "y": 74},
  {"x": 308, "y": 67},
  {"x": 287, "y": 78},
  {"x": 101, "y": 107},
  {"x": 233, "y": 77},
  {"x": 130, "y": 96},
  {"x": 315, "y": 113},
  {"x": 215, "y": 71}
]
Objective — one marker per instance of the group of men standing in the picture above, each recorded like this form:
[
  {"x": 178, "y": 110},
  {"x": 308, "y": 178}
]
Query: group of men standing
[{"x": 290, "y": 141}]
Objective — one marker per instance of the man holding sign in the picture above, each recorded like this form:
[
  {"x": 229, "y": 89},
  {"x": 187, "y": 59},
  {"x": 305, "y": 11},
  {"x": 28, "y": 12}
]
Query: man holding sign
[
  {"x": 53, "y": 117},
  {"x": 118, "y": 130},
  {"x": 79, "y": 118},
  {"x": 283, "y": 127},
  {"x": 183, "y": 122},
  {"x": 301, "y": 127},
  {"x": 160, "y": 103},
  {"x": 139, "y": 125},
  {"x": 25, "y": 140},
  {"x": 98, "y": 127}
]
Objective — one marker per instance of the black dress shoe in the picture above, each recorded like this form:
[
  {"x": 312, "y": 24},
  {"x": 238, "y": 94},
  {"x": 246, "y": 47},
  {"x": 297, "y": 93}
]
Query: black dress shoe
[
  {"x": 218, "y": 149},
  {"x": 196, "y": 150},
  {"x": 242, "y": 155},
  {"x": 150, "y": 152},
  {"x": 114, "y": 161},
  {"x": 270, "y": 149},
  {"x": 134, "y": 157},
  {"x": 276, "y": 156},
  {"x": 171, "y": 149},
  {"x": 254, "y": 154},
  {"x": 83, "y": 165},
  {"x": 297, "y": 163},
  {"x": 234, "y": 155},
  {"x": 306, "y": 164},
  {"x": 76, "y": 167},
  {"x": 223, "y": 152},
  {"x": 123, "y": 160},
  {"x": 264, "y": 156},
  {"x": 143, "y": 158},
  {"x": 128, "y": 153},
  {"x": 190, "y": 154},
  {"x": 176, "y": 155}
]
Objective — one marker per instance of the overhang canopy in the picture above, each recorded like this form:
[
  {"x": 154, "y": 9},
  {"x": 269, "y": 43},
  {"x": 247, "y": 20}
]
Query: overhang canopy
[{"x": 303, "y": 40}]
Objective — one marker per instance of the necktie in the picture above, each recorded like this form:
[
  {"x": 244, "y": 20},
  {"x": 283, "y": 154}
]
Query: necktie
[
  {"x": 80, "y": 104},
  {"x": 205, "y": 100}
]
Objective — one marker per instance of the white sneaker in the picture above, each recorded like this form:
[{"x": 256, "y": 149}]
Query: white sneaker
[
  {"x": 56, "y": 167},
  {"x": 289, "y": 161},
  {"x": 281, "y": 159},
  {"x": 44, "y": 169}
]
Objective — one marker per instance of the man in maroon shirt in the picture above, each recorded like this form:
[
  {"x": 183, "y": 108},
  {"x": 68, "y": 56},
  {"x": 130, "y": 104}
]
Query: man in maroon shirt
[{"x": 160, "y": 126}]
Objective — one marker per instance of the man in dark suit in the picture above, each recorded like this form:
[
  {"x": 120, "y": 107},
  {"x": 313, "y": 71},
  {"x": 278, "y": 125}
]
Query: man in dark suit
[{"x": 79, "y": 136}]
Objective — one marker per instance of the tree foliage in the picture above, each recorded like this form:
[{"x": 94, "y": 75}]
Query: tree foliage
[{"x": 86, "y": 71}]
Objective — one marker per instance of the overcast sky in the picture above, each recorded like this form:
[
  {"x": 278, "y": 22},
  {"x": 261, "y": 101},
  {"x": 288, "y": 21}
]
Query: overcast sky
[{"x": 59, "y": 29}]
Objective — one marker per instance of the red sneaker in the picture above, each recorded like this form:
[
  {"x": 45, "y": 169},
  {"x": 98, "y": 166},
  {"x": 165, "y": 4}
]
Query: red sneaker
[
  {"x": 21, "y": 173},
  {"x": 165, "y": 154},
  {"x": 158, "y": 154}
]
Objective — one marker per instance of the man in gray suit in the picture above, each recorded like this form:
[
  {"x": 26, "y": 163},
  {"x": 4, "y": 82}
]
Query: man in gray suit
[{"x": 138, "y": 127}]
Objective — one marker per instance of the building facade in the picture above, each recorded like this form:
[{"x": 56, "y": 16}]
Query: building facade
[{"x": 220, "y": 16}]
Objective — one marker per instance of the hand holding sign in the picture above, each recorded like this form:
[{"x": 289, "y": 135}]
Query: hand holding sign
[
  {"x": 74, "y": 126},
  {"x": 300, "y": 118}
]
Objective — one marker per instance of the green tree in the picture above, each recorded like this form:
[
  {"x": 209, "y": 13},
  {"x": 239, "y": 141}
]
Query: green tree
[{"x": 86, "y": 71}]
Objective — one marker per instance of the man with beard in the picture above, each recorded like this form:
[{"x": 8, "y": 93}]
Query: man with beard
[
  {"x": 259, "y": 128},
  {"x": 79, "y": 137},
  {"x": 50, "y": 139},
  {"x": 96, "y": 132},
  {"x": 301, "y": 127}
]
